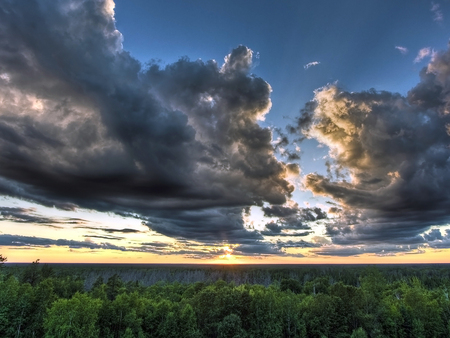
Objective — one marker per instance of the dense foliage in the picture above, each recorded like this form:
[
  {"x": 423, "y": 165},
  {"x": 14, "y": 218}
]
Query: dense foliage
[{"x": 40, "y": 301}]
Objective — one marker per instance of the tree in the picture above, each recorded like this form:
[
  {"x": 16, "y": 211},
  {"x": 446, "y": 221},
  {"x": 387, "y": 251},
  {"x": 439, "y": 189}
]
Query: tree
[
  {"x": 114, "y": 286},
  {"x": 230, "y": 327},
  {"x": 188, "y": 322},
  {"x": 47, "y": 271},
  {"x": 32, "y": 274},
  {"x": 359, "y": 333},
  {"x": 291, "y": 284},
  {"x": 43, "y": 297},
  {"x": 2, "y": 261},
  {"x": 9, "y": 295},
  {"x": 75, "y": 318}
]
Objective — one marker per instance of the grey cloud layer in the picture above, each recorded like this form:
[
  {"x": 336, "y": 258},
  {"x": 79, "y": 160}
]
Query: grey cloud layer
[
  {"x": 29, "y": 215},
  {"x": 83, "y": 124},
  {"x": 28, "y": 241},
  {"x": 291, "y": 218},
  {"x": 396, "y": 153}
]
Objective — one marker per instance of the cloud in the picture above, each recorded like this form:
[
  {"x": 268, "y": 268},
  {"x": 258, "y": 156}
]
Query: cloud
[
  {"x": 395, "y": 152},
  {"x": 291, "y": 218},
  {"x": 433, "y": 239},
  {"x": 187, "y": 249},
  {"x": 218, "y": 224},
  {"x": 29, "y": 215},
  {"x": 84, "y": 124},
  {"x": 104, "y": 237},
  {"x": 28, "y": 241},
  {"x": 402, "y": 50},
  {"x": 436, "y": 240},
  {"x": 438, "y": 16},
  {"x": 110, "y": 230},
  {"x": 373, "y": 250},
  {"x": 423, "y": 53},
  {"x": 296, "y": 244},
  {"x": 308, "y": 65}
]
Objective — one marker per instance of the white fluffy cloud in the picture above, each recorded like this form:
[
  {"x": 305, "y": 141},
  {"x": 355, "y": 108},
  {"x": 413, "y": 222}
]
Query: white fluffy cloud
[{"x": 423, "y": 53}]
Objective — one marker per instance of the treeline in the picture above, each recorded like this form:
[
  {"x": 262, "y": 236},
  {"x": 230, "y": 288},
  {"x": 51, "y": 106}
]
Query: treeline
[
  {"x": 431, "y": 275},
  {"x": 37, "y": 301}
]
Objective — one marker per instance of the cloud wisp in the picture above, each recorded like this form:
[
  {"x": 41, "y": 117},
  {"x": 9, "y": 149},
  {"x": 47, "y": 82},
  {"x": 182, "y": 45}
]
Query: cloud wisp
[
  {"x": 311, "y": 64},
  {"x": 438, "y": 16},
  {"x": 402, "y": 50}
]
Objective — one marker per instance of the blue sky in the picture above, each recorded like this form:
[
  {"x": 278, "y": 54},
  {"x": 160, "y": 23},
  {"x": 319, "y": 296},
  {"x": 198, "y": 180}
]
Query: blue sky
[
  {"x": 354, "y": 42},
  {"x": 121, "y": 140}
]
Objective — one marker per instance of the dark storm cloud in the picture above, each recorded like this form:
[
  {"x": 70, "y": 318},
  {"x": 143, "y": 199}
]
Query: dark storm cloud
[
  {"x": 19, "y": 241},
  {"x": 291, "y": 218},
  {"x": 305, "y": 214},
  {"x": 275, "y": 229},
  {"x": 83, "y": 124},
  {"x": 396, "y": 152},
  {"x": 208, "y": 226},
  {"x": 257, "y": 249},
  {"x": 286, "y": 234},
  {"x": 296, "y": 244}
]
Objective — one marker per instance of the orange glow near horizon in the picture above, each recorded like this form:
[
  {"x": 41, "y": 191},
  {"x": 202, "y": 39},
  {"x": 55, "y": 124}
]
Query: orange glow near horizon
[{"x": 66, "y": 255}]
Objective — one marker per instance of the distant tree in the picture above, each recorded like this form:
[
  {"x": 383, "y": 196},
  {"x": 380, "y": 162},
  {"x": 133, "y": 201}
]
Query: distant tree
[
  {"x": 47, "y": 271},
  {"x": 99, "y": 289},
  {"x": 32, "y": 274},
  {"x": 2, "y": 260},
  {"x": 98, "y": 282},
  {"x": 114, "y": 286}
]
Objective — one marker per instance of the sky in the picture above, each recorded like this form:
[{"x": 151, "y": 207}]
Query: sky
[{"x": 225, "y": 132}]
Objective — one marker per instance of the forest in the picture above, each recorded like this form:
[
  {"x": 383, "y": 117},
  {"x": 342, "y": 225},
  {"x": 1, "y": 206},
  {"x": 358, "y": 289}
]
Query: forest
[{"x": 63, "y": 300}]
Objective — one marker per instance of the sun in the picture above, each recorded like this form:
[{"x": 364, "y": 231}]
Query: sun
[{"x": 227, "y": 252}]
